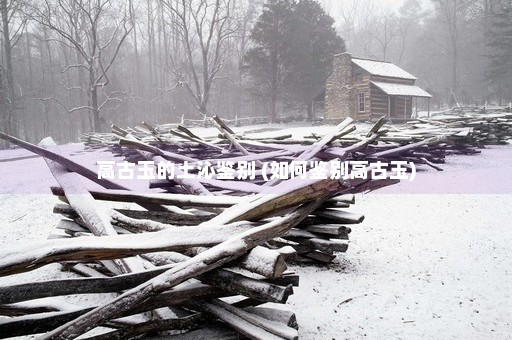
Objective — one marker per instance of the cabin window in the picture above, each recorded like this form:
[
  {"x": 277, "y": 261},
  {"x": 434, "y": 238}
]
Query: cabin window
[{"x": 360, "y": 100}]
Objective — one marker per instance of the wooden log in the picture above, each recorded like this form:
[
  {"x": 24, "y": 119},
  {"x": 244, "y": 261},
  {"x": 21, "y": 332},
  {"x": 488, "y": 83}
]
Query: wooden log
[
  {"x": 260, "y": 260},
  {"x": 408, "y": 147},
  {"x": 155, "y": 325},
  {"x": 242, "y": 285},
  {"x": 328, "y": 246},
  {"x": 256, "y": 156},
  {"x": 376, "y": 127},
  {"x": 192, "y": 186},
  {"x": 167, "y": 199},
  {"x": 229, "y": 134},
  {"x": 96, "y": 220},
  {"x": 19, "y": 310},
  {"x": 206, "y": 261},
  {"x": 347, "y": 198},
  {"x": 298, "y": 234},
  {"x": 154, "y": 150},
  {"x": 157, "y": 216},
  {"x": 84, "y": 270},
  {"x": 331, "y": 230},
  {"x": 30, "y": 256},
  {"x": 282, "y": 196},
  {"x": 36, "y": 290},
  {"x": 266, "y": 262},
  {"x": 208, "y": 332},
  {"x": 319, "y": 256},
  {"x": 251, "y": 325},
  {"x": 285, "y": 317},
  {"x": 31, "y": 324},
  {"x": 340, "y": 216},
  {"x": 286, "y": 279},
  {"x": 334, "y": 204},
  {"x": 196, "y": 140},
  {"x": 315, "y": 148}
]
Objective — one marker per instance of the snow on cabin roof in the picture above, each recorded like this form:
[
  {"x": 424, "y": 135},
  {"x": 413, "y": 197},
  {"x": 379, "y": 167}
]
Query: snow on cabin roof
[
  {"x": 401, "y": 90},
  {"x": 382, "y": 68}
]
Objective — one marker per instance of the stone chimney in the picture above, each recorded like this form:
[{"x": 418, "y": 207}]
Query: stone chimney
[{"x": 339, "y": 94}]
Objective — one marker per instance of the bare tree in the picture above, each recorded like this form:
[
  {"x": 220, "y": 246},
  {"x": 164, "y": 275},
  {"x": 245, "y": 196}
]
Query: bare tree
[
  {"x": 204, "y": 28},
  {"x": 96, "y": 30},
  {"x": 384, "y": 32},
  {"x": 453, "y": 14},
  {"x": 408, "y": 22},
  {"x": 349, "y": 20},
  {"x": 13, "y": 24}
]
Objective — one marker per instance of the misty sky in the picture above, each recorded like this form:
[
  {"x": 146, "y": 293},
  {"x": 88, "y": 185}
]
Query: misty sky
[{"x": 333, "y": 5}]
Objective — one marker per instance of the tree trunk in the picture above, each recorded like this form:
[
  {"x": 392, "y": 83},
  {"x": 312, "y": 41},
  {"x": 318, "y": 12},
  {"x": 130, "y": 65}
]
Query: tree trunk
[
  {"x": 52, "y": 109},
  {"x": 309, "y": 107},
  {"x": 29, "y": 60},
  {"x": 93, "y": 100},
  {"x": 9, "y": 97},
  {"x": 140, "y": 84},
  {"x": 273, "y": 104},
  {"x": 454, "y": 69}
]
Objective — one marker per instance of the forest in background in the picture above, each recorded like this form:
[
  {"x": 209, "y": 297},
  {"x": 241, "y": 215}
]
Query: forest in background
[{"x": 70, "y": 66}]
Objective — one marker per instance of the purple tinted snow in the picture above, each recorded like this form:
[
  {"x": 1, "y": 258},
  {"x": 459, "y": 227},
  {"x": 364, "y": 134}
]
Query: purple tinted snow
[{"x": 487, "y": 173}]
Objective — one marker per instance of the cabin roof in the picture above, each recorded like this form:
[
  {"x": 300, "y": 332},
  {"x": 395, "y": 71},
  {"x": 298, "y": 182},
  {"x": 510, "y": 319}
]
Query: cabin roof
[
  {"x": 382, "y": 68},
  {"x": 401, "y": 89}
]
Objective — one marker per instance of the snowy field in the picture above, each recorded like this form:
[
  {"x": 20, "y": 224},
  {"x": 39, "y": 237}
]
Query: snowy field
[{"x": 431, "y": 260}]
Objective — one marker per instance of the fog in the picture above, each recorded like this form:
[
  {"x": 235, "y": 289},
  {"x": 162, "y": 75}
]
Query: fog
[{"x": 63, "y": 74}]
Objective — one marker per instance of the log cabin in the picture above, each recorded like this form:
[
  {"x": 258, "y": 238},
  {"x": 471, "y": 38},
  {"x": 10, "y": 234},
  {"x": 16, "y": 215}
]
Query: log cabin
[{"x": 365, "y": 89}]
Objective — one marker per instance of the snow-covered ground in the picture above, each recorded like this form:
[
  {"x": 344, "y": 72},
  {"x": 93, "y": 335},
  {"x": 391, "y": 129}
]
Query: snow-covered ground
[{"x": 431, "y": 260}]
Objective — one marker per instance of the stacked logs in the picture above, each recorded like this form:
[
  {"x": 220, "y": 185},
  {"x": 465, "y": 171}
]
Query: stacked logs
[
  {"x": 199, "y": 262},
  {"x": 486, "y": 128},
  {"x": 420, "y": 143}
]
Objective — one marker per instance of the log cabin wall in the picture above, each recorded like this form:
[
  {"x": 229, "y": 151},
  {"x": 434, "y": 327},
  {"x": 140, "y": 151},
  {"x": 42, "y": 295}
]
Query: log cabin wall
[
  {"x": 379, "y": 102},
  {"x": 361, "y": 86}
]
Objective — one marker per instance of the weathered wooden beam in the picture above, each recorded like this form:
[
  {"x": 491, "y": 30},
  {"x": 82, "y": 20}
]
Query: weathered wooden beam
[
  {"x": 96, "y": 220},
  {"x": 157, "y": 216},
  {"x": 36, "y": 290},
  {"x": 167, "y": 199},
  {"x": 21, "y": 258},
  {"x": 269, "y": 263}
]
